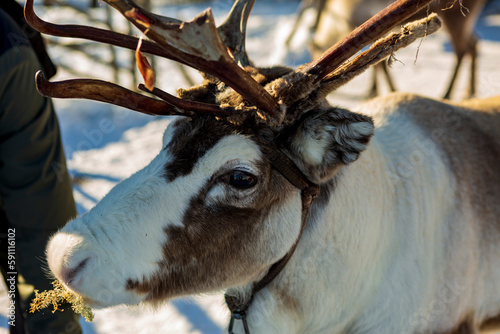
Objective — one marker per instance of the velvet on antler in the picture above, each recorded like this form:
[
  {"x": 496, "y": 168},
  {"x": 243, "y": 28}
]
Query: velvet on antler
[
  {"x": 304, "y": 88},
  {"x": 220, "y": 54},
  {"x": 196, "y": 43},
  {"x": 310, "y": 91},
  {"x": 370, "y": 31}
]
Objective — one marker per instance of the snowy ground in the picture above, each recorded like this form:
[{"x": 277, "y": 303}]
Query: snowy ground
[{"x": 105, "y": 144}]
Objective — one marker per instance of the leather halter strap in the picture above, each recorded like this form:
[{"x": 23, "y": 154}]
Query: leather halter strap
[{"x": 309, "y": 192}]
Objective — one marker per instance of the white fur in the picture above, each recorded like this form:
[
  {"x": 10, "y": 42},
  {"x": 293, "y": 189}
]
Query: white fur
[
  {"x": 390, "y": 253},
  {"x": 381, "y": 259},
  {"x": 313, "y": 148},
  {"x": 123, "y": 235}
]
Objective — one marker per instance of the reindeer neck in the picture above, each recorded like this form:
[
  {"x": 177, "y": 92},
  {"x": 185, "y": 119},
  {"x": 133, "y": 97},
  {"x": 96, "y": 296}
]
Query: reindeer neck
[
  {"x": 308, "y": 193},
  {"x": 329, "y": 244}
]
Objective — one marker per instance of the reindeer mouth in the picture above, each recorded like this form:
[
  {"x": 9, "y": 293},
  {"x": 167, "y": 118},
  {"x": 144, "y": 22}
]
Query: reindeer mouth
[
  {"x": 70, "y": 276},
  {"x": 92, "y": 303}
]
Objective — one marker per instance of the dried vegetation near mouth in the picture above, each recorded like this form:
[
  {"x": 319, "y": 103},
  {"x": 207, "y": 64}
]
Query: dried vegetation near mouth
[{"x": 56, "y": 297}]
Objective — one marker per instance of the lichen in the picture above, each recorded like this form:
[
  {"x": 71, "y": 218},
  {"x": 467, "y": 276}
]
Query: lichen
[{"x": 58, "y": 296}]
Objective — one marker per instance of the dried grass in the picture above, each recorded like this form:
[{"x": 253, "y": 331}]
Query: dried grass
[{"x": 56, "y": 297}]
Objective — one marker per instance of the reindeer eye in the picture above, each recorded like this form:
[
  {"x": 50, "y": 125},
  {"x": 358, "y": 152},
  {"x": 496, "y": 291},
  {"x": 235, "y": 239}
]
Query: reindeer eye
[{"x": 242, "y": 180}]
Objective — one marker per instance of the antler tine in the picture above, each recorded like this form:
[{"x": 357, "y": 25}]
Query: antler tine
[
  {"x": 304, "y": 88},
  {"x": 91, "y": 33},
  {"x": 380, "y": 50},
  {"x": 198, "y": 43},
  {"x": 103, "y": 91},
  {"x": 187, "y": 105},
  {"x": 233, "y": 30},
  {"x": 371, "y": 30}
]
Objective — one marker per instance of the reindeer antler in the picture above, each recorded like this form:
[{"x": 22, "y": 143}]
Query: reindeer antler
[
  {"x": 91, "y": 33},
  {"x": 304, "y": 88},
  {"x": 233, "y": 31},
  {"x": 102, "y": 91},
  {"x": 217, "y": 52},
  {"x": 368, "y": 32},
  {"x": 196, "y": 43}
]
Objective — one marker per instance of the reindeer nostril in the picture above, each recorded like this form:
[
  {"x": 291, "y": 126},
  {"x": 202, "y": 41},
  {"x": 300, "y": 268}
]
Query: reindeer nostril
[{"x": 70, "y": 274}]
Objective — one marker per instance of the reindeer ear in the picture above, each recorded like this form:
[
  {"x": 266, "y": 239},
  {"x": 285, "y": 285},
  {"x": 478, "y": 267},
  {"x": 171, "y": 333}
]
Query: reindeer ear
[{"x": 323, "y": 141}]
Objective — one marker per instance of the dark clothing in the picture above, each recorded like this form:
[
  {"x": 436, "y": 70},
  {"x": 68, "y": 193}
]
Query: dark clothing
[
  {"x": 11, "y": 36},
  {"x": 36, "y": 196},
  {"x": 32, "y": 160},
  {"x": 15, "y": 12}
]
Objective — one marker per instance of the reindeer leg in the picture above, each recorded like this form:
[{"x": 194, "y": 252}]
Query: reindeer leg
[
  {"x": 461, "y": 31},
  {"x": 453, "y": 77},
  {"x": 473, "y": 65},
  {"x": 388, "y": 77},
  {"x": 304, "y": 4},
  {"x": 373, "y": 89}
]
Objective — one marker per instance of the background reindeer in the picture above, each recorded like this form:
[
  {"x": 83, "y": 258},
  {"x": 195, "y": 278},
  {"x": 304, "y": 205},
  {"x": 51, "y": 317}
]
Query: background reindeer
[
  {"x": 234, "y": 210},
  {"x": 336, "y": 18}
]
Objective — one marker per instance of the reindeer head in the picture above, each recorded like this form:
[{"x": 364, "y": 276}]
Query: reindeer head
[
  {"x": 224, "y": 199},
  {"x": 209, "y": 212}
]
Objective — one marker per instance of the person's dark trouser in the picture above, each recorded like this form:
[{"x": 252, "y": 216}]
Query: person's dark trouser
[{"x": 35, "y": 190}]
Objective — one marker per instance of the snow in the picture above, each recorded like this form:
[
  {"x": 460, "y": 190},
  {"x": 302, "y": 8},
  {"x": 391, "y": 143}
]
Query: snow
[{"x": 104, "y": 144}]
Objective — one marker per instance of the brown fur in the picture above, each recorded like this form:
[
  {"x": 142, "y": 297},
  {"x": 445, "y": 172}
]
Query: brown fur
[
  {"x": 467, "y": 135},
  {"x": 210, "y": 236},
  {"x": 465, "y": 327},
  {"x": 491, "y": 324},
  {"x": 211, "y": 91},
  {"x": 197, "y": 254},
  {"x": 469, "y": 139},
  {"x": 209, "y": 242},
  {"x": 288, "y": 302},
  {"x": 469, "y": 142},
  {"x": 190, "y": 142}
]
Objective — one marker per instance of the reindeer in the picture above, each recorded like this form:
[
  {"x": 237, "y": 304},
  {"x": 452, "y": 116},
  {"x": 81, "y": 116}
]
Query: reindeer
[
  {"x": 313, "y": 218},
  {"x": 335, "y": 18}
]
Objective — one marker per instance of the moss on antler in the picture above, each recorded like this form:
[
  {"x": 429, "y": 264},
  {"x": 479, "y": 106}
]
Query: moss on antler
[{"x": 58, "y": 296}]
